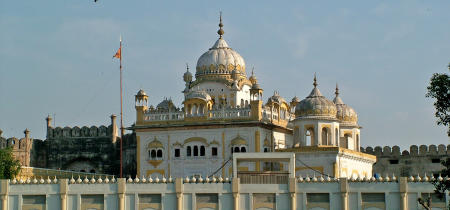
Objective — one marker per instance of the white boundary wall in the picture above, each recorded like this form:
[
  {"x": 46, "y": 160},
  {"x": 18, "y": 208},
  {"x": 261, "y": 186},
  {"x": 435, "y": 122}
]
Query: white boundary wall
[{"x": 125, "y": 194}]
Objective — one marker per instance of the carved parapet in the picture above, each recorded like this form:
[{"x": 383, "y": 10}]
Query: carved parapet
[
  {"x": 395, "y": 151},
  {"x": 386, "y": 151},
  {"x": 414, "y": 150},
  {"x": 423, "y": 150},
  {"x": 378, "y": 151},
  {"x": 432, "y": 150}
]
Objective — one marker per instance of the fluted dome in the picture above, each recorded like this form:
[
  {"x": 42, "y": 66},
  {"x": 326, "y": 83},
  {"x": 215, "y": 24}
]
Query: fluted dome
[
  {"x": 141, "y": 93},
  {"x": 200, "y": 94},
  {"x": 344, "y": 113},
  {"x": 220, "y": 58},
  {"x": 164, "y": 104},
  {"x": 276, "y": 98},
  {"x": 316, "y": 106}
]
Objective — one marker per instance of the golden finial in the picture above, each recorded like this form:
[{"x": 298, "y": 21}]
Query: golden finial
[
  {"x": 252, "y": 71},
  {"x": 337, "y": 90},
  {"x": 220, "y": 31},
  {"x": 187, "y": 66},
  {"x": 315, "y": 80}
]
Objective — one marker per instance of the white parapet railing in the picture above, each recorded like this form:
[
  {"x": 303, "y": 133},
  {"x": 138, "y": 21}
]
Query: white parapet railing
[{"x": 258, "y": 177}]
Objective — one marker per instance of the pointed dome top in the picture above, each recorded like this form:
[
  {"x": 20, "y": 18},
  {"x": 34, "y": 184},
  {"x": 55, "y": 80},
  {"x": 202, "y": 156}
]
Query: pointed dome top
[
  {"x": 141, "y": 93},
  {"x": 316, "y": 106},
  {"x": 337, "y": 100},
  {"x": 219, "y": 59}
]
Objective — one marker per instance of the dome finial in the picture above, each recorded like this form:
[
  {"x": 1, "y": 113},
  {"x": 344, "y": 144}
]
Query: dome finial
[
  {"x": 337, "y": 90},
  {"x": 220, "y": 31},
  {"x": 187, "y": 66},
  {"x": 315, "y": 80},
  {"x": 252, "y": 71}
]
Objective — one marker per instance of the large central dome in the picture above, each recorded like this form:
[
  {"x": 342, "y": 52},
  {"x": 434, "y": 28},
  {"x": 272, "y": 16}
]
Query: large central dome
[{"x": 220, "y": 59}]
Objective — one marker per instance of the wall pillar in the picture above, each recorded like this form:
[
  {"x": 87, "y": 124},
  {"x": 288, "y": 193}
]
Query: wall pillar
[
  {"x": 293, "y": 192},
  {"x": 121, "y": 191},
  {"x": 403, "y": 189},
  {"x": 344, "y": 193},
  {"x": 179, "y": 192},
  {"x": 63, "y": 193},
  {"x": 235, "y": 191},
  {"x": 4, "y": 186}
]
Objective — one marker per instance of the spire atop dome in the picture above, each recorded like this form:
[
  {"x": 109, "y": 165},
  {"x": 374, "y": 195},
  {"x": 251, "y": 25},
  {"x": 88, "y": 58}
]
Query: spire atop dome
[
  {"x": 315, "y": 80},
  {"x": 337, "y": 90},
  {"x": 220, "y": 31}
]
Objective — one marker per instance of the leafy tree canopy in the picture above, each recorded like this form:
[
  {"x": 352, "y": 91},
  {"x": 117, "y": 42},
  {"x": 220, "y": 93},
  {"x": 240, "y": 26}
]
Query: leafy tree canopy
[
  {"x": 440, "y": 90},
  {"x": 9, "y": 166}
]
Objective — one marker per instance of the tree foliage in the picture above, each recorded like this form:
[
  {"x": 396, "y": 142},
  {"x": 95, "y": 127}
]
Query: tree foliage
[
  {"x": 444, "y": 185},
  {"x": 440, "y": 90},
  {"x": 9, "y": 166}
]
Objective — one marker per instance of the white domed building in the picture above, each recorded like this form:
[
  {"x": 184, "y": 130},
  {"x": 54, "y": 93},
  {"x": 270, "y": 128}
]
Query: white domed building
[{"x": 223, "y": 112}]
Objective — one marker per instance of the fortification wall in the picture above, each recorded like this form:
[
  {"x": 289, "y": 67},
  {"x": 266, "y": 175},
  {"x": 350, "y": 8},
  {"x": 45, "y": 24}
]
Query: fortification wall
[{"x": 417, "y": 160}]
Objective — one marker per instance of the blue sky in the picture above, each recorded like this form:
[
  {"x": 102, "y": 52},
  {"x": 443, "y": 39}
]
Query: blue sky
[{"x": 55, "y": 58}]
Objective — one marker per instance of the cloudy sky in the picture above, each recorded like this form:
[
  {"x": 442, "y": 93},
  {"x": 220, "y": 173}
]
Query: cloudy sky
[{"x": 56, "y": 58}]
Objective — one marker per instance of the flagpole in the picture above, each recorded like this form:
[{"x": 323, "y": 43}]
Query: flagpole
[{"x": 121, "y": 117}]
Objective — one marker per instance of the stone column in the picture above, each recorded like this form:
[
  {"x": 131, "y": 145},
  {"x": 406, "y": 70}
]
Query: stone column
[
  {"x": 4, "y": 193},
  {"x": 179, "y": 192},
  {"x": 344, "y": 193},
  {"x": 121, "y": 187},
  {"x": 403, "y": 189},
  {"x": 235, "y": 191},
  {"x": 63, "y": 193},
  {"x": 293, "y": 191}
]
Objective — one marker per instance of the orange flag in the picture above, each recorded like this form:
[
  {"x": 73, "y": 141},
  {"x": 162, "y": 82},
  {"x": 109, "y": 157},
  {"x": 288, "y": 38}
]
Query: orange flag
[{"x": 118, "y": 54}]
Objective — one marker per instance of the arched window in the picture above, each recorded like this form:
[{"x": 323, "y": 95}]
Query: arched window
[
  {"x": 310, "y": 137},
  {"x": 188, "y": 151},
  {"x": 344, "y": 141},
  {"x": 82, "y": 171},
  {"x": 195, "y": 151},
  {"x": 202, "y": 151},
  {"x": 159, "y": 153},
  {"x": 153, "y": 154},
  {"x": 336, "y": 139},
  {"x": 214, "y": 151},
  {"x": 357, "y": 143},
  {"x": 92, "y": 171},
  {"x": 243, "y": 150},
  {"x": 266, "y": 150},
  {"x": 324, "y": 136},
  {"x": 236, "y": 149}
]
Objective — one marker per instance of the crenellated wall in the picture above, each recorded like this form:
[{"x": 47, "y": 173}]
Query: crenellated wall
[{"x": 419, "y": 159}]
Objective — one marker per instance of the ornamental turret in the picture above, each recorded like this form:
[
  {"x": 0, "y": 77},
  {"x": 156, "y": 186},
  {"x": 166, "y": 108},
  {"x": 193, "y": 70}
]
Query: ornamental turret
[
  {"x": 187, "y": 77},
  {"x": 141, "y": 104}
]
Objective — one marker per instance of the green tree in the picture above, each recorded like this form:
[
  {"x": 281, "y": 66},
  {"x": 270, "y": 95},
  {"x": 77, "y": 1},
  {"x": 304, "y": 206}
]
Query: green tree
[
  {"x": 440, "y": 90},
  {"x": 9, "y": 166}
]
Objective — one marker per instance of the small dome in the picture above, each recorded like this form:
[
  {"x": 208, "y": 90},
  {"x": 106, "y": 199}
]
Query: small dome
[
  {"x": 256, "y": 86},
  {"x": 316, "y": 105},
  {"x": 276, "y": 98},
  {"x": 345, "y": 114},
  {"x": 141, "y": 93},
  {"x": 164, "y": 104},
  {"x": 187, "y": 73},
  {"x": 221, "y": 54},
  {"x": 200, "y": 94},
  {"x": 296, "y": 99},
  {"x": 238, "y": 141},
  {"x": 155, "y": 144}
]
